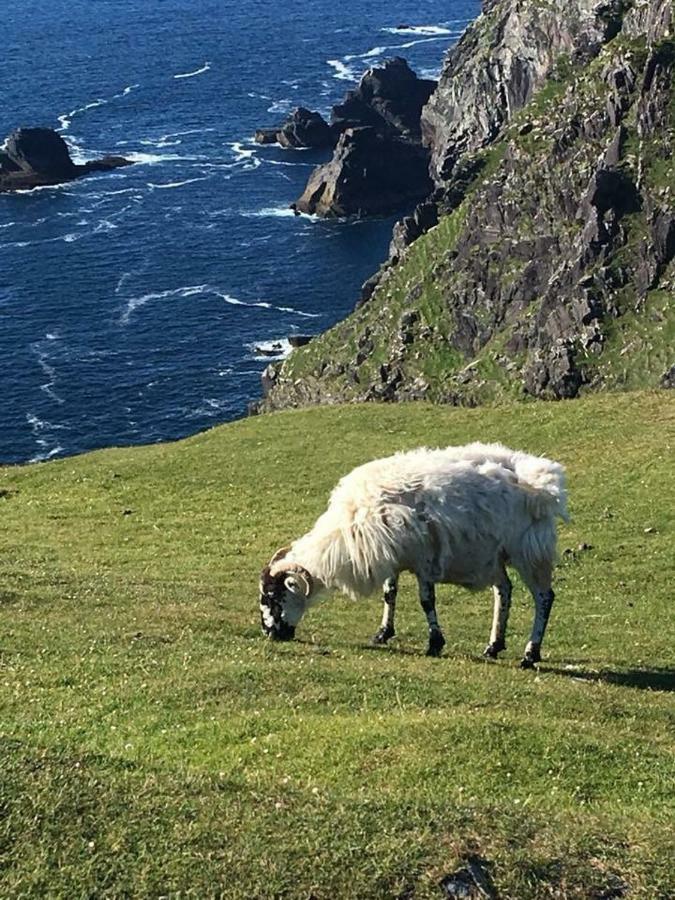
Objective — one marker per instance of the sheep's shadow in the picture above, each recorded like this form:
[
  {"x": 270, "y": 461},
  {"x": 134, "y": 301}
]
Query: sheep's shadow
[{"x": 658, "y": 679}]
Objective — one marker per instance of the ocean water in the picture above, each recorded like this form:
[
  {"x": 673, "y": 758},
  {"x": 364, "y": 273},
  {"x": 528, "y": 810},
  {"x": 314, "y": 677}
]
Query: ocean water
[{"x": 132, "y": 304}]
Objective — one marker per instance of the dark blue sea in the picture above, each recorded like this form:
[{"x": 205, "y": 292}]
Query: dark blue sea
[{"x": 133, "y": 304}]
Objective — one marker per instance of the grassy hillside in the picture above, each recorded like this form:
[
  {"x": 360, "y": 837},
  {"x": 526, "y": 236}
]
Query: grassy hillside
[{"x": 153, "y": 744}]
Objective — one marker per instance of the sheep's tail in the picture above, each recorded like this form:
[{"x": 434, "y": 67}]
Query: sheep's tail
[{"x": 544, "y": 481}]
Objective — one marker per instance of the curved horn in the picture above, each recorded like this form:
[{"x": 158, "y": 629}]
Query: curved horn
[
  {"x": 279, "y": 555},
  {"x": 300, "y": 574}
]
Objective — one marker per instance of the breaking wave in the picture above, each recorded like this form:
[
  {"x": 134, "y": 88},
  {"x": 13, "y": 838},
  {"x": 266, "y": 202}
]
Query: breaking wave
[{"x": 204, "y": 68}]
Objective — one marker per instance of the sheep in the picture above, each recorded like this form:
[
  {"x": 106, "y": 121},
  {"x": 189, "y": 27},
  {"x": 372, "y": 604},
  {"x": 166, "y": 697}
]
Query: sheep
[{"x": 457, "y": 515}]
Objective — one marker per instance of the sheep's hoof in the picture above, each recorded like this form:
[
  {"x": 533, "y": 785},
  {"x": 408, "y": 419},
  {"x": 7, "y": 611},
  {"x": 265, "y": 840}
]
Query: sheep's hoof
[
  {"x": 493, "y": 650},
  {"x": 532, "y": 656},
  {"x": 383, "y": 635},
  {"x": 436, "y": 643}
]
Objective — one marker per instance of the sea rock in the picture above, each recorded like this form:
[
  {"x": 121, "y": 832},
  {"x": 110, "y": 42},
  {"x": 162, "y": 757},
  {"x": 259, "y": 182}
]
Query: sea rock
[
  {"x": 39, "y": 150},
  {"x": 302, "y": 129},
  {"x": 370, "y": 174},
  {"x": 32, "y": 157},
  {"x": 305, "y": 128},
  {"x": 379, "y": 164},
  {"x": 389, "y": 98},
  {"x": 266, "y": 135},
  {"x": 299, "y": 340}
]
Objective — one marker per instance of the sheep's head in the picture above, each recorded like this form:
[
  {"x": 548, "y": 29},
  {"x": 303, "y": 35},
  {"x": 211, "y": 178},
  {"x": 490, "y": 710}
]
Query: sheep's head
[{"x": 285, "y": 588}]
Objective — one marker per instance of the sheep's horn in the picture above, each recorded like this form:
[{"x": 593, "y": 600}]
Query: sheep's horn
[
  {"x": 301, "y": 574},
  {"x": 278, "y": 555}
]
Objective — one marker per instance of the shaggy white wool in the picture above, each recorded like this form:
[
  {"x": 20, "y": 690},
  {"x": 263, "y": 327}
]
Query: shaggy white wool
[{"x": 450, "y": 515}]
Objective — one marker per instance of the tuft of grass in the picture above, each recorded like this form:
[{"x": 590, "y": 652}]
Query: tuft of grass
[{"x": 153, "y": 744}]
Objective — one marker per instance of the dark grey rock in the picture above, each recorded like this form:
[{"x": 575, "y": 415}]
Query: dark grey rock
[
  {"x": 368, "y": 175},
  {"x": 33, "y": 157},
  {"x": 305, "y": 128}
]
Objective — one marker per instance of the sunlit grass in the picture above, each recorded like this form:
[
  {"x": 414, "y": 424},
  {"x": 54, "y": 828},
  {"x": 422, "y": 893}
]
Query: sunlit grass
[{"x": 153, "y": 743}]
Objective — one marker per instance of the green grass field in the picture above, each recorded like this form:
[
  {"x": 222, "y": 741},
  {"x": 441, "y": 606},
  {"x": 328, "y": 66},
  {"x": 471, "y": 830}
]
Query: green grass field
[{"x": 154, "y": 744}]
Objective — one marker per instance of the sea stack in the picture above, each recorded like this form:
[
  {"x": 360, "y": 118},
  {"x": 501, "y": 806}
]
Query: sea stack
[{"x": 35, "y": 157}]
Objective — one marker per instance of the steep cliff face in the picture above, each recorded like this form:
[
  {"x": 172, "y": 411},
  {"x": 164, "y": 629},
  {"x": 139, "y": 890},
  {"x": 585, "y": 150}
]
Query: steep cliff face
[
  {"x": 498, "y": 66},
  {"x": 550, "y": 270}
]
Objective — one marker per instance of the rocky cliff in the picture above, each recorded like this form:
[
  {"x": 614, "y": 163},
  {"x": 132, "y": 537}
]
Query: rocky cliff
[{"x": 543, "y": 262}]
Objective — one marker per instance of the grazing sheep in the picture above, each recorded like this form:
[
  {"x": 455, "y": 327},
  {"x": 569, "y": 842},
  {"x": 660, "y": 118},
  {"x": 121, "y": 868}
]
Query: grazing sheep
[{"x": 459, "y": 515}]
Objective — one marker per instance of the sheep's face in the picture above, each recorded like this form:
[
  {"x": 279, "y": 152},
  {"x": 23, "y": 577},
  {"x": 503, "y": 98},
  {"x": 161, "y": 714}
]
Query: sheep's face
[{"x": 283, "y": 601}]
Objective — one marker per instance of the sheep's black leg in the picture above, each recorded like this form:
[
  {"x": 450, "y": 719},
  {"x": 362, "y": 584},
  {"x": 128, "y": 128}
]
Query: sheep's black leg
[
  {"x": 543, "y": 601},
  {"x": 386, "y": 630},
  {"x": 428, "y": 601},
  {"x": 502, "y": 593}
]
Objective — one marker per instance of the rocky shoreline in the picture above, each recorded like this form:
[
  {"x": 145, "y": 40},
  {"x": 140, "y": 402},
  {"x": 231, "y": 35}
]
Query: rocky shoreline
[
  {"x": 38, "y": 157},
  {"x": 542, "y": 262}
]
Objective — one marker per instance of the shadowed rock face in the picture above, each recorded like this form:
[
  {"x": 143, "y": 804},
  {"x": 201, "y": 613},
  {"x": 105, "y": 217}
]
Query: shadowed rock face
[
  {"x": 389, "y": 98},
  {"x": 39, "y": 150},
  {"x": 369, "y": 174},
  {"x": 303, "y": 128},
  {"x": 33, "y": 157}
]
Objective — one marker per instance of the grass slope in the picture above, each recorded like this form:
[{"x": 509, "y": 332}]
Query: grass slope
[{"x": 153, "y": 744}]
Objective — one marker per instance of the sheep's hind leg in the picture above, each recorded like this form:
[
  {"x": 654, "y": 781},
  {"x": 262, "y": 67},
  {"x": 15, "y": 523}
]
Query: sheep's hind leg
[
  {"x": 543, "y": 601},
  {"x": 428, "y": 601},
  {"x": 502, "y": 593},
  {"x": 386, "y": 630}
]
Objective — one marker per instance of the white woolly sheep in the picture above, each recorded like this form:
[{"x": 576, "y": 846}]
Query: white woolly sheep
[{"x": 458, "y": 515}]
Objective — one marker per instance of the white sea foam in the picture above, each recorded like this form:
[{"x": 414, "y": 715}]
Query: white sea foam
[
  {"x": 174, "y": 184},
  {"x": 263, "y": 304},
  {"x": 245, "y": 154},
  {"x": 343, "y": 72},
  {"x": 280, "y": 106},
  {"x": 204, "y": 68},
  {"x": 135, "y": 303},
  {"x": 270, "y": 349},
  {"x": 123, "y": 280},
  {"x": 65, "y": 120},
  {"x": 48, "y": 387},
  {"x": 42, "y": 187},
  {"x": 422, "y": 29},
  {"x": 48, "y": 454},
  {"x": 104, "y": 226},
  {"x": 151, "y": 159},
  {"x": 276, "y": 212},
  {"x": 384, "y": 50},
  {"x": 292, "y": 164}
]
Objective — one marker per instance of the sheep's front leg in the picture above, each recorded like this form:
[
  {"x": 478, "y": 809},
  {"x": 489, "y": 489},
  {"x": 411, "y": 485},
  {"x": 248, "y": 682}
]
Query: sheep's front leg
[
  {"x": 428, "y": 601},
  {"x": 543, "y": 601},
  {"x": 502, "y": 593},
  {"x": 386, "y": 630}
]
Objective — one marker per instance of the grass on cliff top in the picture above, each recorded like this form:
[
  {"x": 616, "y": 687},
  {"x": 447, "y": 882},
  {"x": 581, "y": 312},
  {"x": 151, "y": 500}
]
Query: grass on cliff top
[{"x": 153, "y": 744}]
